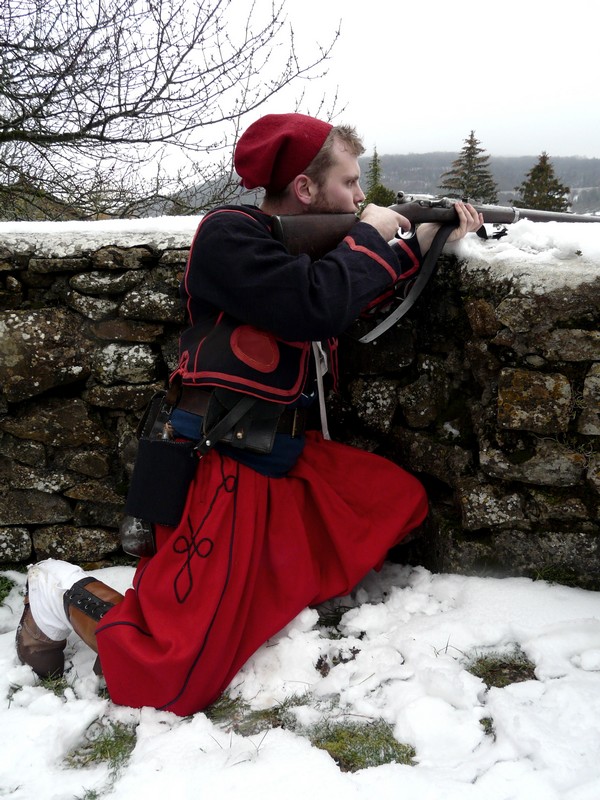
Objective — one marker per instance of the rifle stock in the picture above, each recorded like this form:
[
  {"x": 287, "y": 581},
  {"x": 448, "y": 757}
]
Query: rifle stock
[{"x": 317, "y": 234}]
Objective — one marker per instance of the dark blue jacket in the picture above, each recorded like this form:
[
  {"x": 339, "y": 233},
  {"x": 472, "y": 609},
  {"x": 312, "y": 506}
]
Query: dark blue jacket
[{"x": 254, "y": 309}]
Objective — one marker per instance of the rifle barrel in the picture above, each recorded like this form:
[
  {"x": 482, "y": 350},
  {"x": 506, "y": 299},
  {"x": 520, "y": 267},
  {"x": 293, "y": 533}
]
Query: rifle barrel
[
  {"x": 318, "y": 234},
  {"x": 432, "y": 211},
  {"x": 552, "y": 216}
]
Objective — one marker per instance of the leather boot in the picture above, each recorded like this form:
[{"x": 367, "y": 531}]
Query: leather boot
[
  {"x": 86, "y": 602},
  {"x": 44, "y": 655}
]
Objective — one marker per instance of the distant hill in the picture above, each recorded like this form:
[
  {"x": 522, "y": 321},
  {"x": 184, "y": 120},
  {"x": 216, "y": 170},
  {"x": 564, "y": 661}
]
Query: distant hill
[{"x": 421, "y": 172}]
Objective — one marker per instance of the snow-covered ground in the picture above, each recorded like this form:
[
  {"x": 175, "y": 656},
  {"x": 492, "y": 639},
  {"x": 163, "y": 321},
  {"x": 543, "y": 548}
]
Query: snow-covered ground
[{"x": 409, "y": 634}]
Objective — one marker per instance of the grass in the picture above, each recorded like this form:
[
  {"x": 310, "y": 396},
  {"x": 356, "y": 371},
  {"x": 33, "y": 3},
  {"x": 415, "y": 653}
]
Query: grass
[
  {"x": 502, "y": 669},
  {"x": 237, "y": 716},
  {"x": 110, "y": 743},
  {"x": 352, "y": 745},
  {"x": 6, "y": 586},
  {"x": 558, "y": 573},
  {"x": 57, "y": 686},
  {"x": 355, "y": 746}
]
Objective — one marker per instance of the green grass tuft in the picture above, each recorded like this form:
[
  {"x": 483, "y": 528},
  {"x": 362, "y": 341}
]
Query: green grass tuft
[
  {"x": 112, "y": 743},
  {"x": 355, "y": 746},
  {"x": 558, "y": 573},
  {"x": 227, "y": 711},
  {"x": 352, "y": 745},
  {"x": 502, "y": 669},
  {"x": 56, "y": 685},
  {"x": 235, "y": 715},
  {"x": 6, "y": 586}
]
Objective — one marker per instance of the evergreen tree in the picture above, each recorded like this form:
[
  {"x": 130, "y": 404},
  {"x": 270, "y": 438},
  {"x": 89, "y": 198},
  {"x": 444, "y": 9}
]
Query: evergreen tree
[
  {"x": 470, "y": 176},
  {"x": 376, "y": 191},
  {"x": 541, "y": 189}
]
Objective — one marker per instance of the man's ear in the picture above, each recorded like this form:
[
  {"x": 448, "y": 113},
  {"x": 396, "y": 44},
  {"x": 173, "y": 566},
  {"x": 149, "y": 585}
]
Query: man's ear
[{"x": 304, "y": 190}]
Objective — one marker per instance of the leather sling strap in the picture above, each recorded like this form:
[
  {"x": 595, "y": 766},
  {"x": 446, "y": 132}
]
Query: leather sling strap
[
  {"x": 225, "y": 424},
  {"x": 426, "y": 272}
]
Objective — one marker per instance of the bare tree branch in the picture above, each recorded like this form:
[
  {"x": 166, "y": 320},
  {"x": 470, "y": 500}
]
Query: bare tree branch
[{"x": 92, "y": 92}]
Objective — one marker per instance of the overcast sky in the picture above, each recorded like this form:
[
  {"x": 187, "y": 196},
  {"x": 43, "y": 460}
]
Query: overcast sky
[{"x": 419, "y": 76}]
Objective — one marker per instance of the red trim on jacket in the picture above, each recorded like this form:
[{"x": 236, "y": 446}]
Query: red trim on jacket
[
  {"x": 416, "y": 264},
  {"x": 377, "y": 258},
  {"x": 191, "y": 250}
]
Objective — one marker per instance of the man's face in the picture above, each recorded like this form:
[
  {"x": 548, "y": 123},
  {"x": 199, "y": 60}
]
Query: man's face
[{"x": 340, "y": 192}]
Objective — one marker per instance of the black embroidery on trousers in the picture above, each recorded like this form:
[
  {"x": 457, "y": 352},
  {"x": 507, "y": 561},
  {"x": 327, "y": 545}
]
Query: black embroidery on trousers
[
  {"x": 194, "y": 543},
  {"x": 231, "y": 482}
]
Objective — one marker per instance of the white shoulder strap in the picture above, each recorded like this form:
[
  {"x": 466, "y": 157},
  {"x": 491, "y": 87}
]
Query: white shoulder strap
[{"x": 321, "y": 369}]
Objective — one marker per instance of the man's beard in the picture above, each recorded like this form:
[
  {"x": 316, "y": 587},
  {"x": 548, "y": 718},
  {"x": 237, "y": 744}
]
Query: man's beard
[{"x": 322, "y": 205}]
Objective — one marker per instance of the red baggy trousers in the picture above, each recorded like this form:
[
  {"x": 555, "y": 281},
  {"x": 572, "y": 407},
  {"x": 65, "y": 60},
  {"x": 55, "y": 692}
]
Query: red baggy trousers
[{"x": 249, "y": 554}]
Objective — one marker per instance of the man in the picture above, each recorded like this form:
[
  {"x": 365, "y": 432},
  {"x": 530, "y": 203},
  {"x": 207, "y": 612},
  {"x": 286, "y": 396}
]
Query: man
[{"x": 276, "y": 518}]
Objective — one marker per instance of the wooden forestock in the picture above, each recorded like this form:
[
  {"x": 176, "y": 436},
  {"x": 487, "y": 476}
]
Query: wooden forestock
[{"x": 317, "y": 234}]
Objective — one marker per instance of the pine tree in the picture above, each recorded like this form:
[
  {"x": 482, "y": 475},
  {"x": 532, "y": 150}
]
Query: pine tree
[
  {"x": 470, "y": 176},
  {"x": 376, "y": 192},
  {"x": 541, "y": 189}
]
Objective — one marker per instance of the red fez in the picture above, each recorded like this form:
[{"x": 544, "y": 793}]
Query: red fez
[{"x": 276, "y": 148}]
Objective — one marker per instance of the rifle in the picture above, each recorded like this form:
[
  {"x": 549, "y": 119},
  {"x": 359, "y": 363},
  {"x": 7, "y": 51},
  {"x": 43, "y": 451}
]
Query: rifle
[{"x": 317, "y": 234}]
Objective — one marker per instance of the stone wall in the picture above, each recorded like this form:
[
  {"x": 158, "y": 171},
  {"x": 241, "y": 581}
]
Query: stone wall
[{"x": 489, "y": 391}]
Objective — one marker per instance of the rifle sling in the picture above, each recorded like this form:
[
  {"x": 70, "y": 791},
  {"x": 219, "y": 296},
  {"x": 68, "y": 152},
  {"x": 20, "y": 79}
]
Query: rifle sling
[{"x": 426, "y": 272}]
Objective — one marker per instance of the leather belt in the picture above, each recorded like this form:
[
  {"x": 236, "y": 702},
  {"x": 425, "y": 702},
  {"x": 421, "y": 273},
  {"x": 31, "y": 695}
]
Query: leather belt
[
  {"x": 292, "y": 420},
  {"x": 194, "y": 400}
]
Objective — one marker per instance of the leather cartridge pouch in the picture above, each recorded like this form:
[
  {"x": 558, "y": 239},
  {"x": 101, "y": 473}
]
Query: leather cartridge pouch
[
  {"x": 254, "y": 431},
  {"x": 163, "y": 471}
]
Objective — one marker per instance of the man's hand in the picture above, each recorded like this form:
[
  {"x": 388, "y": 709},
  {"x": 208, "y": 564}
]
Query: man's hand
[
  {"x": 469, "y": 221},
  {"x": 384, "y": 220}
]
